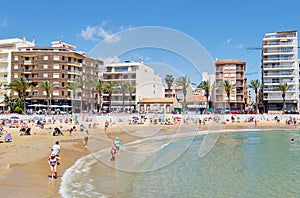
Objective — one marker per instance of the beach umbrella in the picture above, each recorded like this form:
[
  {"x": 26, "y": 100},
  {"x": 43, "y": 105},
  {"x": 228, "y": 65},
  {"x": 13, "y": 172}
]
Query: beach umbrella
[
  {"x": 14, "y": 117},
  {"x": 135, "y": 117},
  {"x": 38, "y": 118}
]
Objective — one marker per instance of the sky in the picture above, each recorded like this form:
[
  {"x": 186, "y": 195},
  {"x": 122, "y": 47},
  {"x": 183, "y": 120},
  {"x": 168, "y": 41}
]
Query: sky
[{"x": 224, "y": 29}]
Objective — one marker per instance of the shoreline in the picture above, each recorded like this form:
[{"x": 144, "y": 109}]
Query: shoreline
[{"x": 29, "y": 177}]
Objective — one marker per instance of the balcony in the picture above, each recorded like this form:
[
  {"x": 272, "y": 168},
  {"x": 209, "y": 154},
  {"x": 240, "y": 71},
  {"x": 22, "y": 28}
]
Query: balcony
[
  {"x": 279, "y": 74},
  {"x": 27, "y": 62},
  {"x": 276, "y": 67},
  {"x": 275, "y": 89}
]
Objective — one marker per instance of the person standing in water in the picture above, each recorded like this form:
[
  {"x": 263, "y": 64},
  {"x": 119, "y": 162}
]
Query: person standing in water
[
  {"x": 117, "y": 143},
  {"x": 113, "y": 151},
  {"x": 53, "y": 161}
]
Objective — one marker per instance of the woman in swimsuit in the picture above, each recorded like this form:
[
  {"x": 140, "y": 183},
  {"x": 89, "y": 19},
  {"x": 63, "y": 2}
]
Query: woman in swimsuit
[{"x": 53, "y": 162}]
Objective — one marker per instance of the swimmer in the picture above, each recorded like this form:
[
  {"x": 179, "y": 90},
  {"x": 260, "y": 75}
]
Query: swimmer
[{"x": 292, "y": 141}]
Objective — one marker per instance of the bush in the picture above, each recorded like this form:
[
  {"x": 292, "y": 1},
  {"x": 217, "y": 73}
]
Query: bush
[{"x": 18, "y": 110}]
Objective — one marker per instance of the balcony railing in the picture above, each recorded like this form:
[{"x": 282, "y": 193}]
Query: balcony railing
[
  {"x": 277, "y": 66},
  {"x": 27, "y": 62},
  {"x": 279, "y": 74},
  {"x": 279, "y": 81}
]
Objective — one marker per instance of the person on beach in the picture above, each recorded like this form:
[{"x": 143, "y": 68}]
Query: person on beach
[
  {"x": 56, "y": 149},
  {"x": 117, "y": 143},
  {"x": 86, "y": 137},
  {"x": 53, "y": 161},
  {"x": 113, "y": 152},
  {"x": 106, "y": 125}
]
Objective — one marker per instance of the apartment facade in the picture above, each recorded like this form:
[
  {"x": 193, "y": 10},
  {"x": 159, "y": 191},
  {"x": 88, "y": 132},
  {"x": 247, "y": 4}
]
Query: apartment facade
[
  {"x": 60, "y": 64},
  {"x": 280, "y": 65},
  {"x": 233, "y": 71},
  {"x": 147, "y": 84},
  {"x": 6, "y": 48}
]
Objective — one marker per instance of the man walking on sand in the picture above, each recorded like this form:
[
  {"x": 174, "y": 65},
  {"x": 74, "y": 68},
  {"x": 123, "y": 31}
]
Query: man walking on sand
[{"x": 56, "y": 148}]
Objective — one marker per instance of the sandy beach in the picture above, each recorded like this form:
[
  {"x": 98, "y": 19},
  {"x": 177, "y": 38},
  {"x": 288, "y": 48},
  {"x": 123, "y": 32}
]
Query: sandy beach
[{"x": 24, "y": 167}]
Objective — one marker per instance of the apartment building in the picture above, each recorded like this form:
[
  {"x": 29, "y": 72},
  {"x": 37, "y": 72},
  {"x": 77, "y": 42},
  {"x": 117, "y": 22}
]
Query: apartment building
[
  {"x": 280, "y": 65},
  {"x": 233, "y": 71},
  {"x": 6, "y": 47},
  {"x": 60, "y": 64},
  {"x": 147, "y": 84}
]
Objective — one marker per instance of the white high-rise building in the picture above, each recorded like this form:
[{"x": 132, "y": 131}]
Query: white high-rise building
[
  {"x": 6, "y": 47},
  {"x": 147, "y": 84},
  {"x": 280, "y": 65}
]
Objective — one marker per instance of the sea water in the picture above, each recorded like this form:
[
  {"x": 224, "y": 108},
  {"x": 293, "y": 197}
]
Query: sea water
[{"x": 240, "y": 164}]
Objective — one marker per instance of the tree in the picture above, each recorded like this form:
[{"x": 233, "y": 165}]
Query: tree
[
  {"x": 100, "y": 88},
  {"x": 169, "y": 81},
  {"x": 131, "y": 89},
  {"x": 73, "y": 87},
  {"x": 122, "y": 87},
  {"x": 255, "y": 85},
  {"x": 283, "y": 87},
  {"x": 20, "y": 85},
  {"x": 47, "y": 87},
  {"x": 227, "y": 88},
  {"x": 205, "y": 85},
  {"x": 109, "y": 88},
  {"x": 183, "y": 82},
  {"x": 81, "y": 82}
]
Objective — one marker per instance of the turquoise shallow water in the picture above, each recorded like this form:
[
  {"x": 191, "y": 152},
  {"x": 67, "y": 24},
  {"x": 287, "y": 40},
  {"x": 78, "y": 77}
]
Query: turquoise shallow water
[{"x": 241, "y": 164}]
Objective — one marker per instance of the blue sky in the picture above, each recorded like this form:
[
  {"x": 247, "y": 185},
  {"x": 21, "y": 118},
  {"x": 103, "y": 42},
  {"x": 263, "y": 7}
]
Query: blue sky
[{"x": 224, "y": 28}]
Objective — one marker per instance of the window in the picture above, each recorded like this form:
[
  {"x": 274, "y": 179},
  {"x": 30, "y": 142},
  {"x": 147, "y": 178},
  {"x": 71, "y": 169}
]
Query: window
[
  {"x": 45, "y": 57},
  {"x": 45, "y": 66},
  {"x": 45, "y": 75},
  {"x": 16, "y": 76},
  {"x": 16, "y": 58},
  {"x": 55, "y": 66},
  {"x": 56, "y": 58},
  {"x": 55, "y": 93},
  {"x": 56, "y": 75},
  {"x": 16, "y": 66}
]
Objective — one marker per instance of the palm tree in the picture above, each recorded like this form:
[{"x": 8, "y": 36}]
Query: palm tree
[
  {"x": 73, "y": 87},
  {"x": 81, "y": 82},
  {"x": 205, "y": 85},
  {"x": 100, "y": 88},
  {"x": 47, "y": 87},
  {"x": 109, "y": 88},
  {"x": 20, "y": 85},
  {"x": 122, "y": 87},
  {"x": 255, "y": 85},
  {"x": 131, "y": 89},
  {"x": 227, "y": 88},
  {"x": 283, "y": 87},
  {"x": 184, "y": 82},
  {"x": 169, "y": 81}
]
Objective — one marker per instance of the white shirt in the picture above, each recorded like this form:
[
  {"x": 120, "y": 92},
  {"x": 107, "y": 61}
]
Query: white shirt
[{"x": 55, "y": 149}]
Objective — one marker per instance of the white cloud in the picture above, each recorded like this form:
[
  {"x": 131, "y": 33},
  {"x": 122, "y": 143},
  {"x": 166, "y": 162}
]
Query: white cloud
[
  {"x": 240, "y": 46},
  {"x": 4, "y": 22},
  {"x": 228, "y": 41},
  {"x": 98, "y": 33},
  {"x": 109, "y": 60},
  {"x": 141, "y": 57}
]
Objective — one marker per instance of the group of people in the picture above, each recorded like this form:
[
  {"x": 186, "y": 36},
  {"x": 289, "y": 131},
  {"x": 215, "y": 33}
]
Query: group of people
[{"x": 115, "y": 149}]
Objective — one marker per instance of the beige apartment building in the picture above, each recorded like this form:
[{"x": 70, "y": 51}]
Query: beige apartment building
[
  {"x": 233, "y": 71},
  {"x": 60, "y": 64}
]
